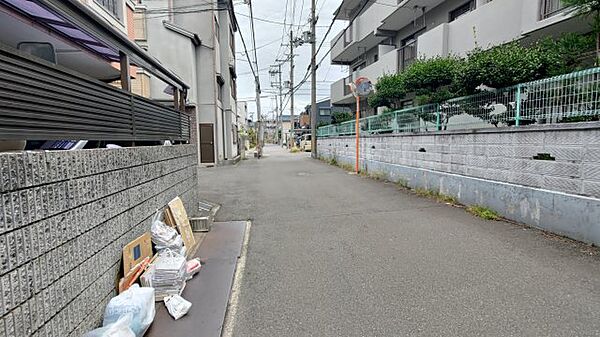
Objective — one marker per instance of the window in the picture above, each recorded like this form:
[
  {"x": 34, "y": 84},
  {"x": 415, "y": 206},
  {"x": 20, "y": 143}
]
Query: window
[
  {"x": 220, "y": 84},
  {"x": 231, "y": 40},
  {"x": 112, "y": 6},
  {"x": 408, "y": 52},
  {"x": 233, "y": 87},
  {"x": 462, "y": 10},
  {"x": 217, "y": 29},
  {"x": 375, "y": 58},
  {"x": 324, "y": 112},
  {"x": 550, "y": 8}
]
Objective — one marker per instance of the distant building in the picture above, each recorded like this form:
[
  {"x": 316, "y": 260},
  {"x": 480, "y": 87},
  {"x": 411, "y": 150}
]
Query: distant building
[
  {"x": 287, "y": 126},
  {"x": 325, "y": 112},
  {"x": 199, "y": 45}
]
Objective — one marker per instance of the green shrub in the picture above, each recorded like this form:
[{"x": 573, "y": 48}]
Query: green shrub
[
  {"x": 432, "y": 80},
  {"x": 501, "y": 66},
  {"x": 389, "y": 91},
  {"x": 340, "y": 117}
]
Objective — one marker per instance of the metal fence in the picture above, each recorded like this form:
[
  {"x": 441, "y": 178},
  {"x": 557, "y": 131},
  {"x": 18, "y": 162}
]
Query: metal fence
[
  {"x": 41, "y": 101},
  {"x": 566, "y": 98}
]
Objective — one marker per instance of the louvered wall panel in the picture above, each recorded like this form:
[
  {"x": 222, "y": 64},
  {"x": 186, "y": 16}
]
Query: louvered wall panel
[{"x": 41, "y": 101}]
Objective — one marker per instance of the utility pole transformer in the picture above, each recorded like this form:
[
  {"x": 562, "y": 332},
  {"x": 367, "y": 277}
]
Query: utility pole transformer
[{"x": 313, "y": 84}]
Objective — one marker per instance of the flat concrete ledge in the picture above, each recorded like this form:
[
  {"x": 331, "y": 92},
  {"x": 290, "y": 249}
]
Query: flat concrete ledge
[
  {"x": 209, "y": 290},
  {"x": 573, "y": 216},
  {"x": 580, "y": 126}
]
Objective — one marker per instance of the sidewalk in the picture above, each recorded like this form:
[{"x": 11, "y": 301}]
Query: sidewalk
[{"x": 332, "y": 254}]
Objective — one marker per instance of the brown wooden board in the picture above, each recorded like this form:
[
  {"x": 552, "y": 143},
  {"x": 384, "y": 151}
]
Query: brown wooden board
[
  {"x": 169, "y": 219},
  {"x": 136, "y": 251},
  {"x": 180, "y": 218}
]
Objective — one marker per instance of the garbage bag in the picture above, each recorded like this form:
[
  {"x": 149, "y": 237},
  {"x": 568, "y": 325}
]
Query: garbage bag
[
  {"x": 120, "y": 328},
  {"x": 177, "y": 306},
  {"x": 136, "y": 301},
  {"x": 164, "y": 236}
]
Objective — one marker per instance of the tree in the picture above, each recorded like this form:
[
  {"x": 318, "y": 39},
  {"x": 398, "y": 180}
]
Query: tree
[
  {"x": 389, "y": 91},
  {"x": 589, "y": 8}
]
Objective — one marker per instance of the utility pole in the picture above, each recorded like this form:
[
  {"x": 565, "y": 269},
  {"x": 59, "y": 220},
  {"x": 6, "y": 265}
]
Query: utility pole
[
  {"x": 260, "y": 134},
  {"x": 292, "y": 132},
  {"x": 280, "y": 108},
  {"x": 275, "y": 73},
  {"x": 313, "y": 84}
]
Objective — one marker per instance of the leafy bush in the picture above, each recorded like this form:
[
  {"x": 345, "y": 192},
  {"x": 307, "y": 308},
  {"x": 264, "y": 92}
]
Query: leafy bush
[
  {"x": 340, "y": 117},
  {"x": 568, "y": 53},
  {"x": 589, "y": 8},
  {"x": 432, "y": 79},
  {"x": 389, "y": 91},
  {"x": 502, "y": 66}
]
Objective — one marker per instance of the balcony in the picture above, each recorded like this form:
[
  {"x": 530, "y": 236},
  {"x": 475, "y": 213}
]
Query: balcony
[
  {"x": 405, "y": 12},
  {"x": 362, "y": 34},
  {"x": 479, "y": 28},
  {"x": 387, "y": 64}
]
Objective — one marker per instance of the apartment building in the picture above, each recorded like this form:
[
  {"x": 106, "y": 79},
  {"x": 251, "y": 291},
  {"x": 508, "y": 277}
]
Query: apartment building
[
  {"x": 197, "y": 40},
  {"x": 386, "y": 36}
]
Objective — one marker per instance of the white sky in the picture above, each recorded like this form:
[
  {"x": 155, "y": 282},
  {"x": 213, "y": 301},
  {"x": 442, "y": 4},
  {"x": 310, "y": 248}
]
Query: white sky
[{"x": 268, "y": 42}]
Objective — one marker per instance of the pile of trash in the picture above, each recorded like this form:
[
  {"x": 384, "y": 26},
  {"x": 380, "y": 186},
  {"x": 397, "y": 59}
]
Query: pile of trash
[
  {"x": 165, "y": 237},
  {"x": 155, "y": 269}
]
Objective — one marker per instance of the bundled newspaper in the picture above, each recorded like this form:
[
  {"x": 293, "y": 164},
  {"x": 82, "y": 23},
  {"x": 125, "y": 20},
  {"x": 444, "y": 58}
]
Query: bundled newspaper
[{"x": 167, "y": 275}]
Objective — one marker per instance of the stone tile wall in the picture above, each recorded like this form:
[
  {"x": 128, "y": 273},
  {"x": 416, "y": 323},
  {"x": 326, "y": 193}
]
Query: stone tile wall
[
  {"x": 504, "y": 155},
  {"x": 64, "y": 219}
]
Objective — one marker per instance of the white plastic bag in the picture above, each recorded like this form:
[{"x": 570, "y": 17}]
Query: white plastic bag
[
  {"x": 163, "y": 236},
  {"x": 120, "y": 328},
  {"x": 135, "y": 301},
  {"x": 177, "y": 306}
]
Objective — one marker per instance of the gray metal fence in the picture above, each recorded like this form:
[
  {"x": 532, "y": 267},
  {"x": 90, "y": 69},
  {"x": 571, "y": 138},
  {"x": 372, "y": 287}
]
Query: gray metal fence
[{"x": 42, "y": 101}]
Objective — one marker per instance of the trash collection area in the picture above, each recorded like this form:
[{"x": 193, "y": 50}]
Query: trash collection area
[{"x": 176, "y": 278}]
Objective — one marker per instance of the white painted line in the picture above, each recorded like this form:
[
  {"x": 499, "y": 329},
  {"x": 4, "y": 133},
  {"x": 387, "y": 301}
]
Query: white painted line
[{"x": 232, "y": 307}]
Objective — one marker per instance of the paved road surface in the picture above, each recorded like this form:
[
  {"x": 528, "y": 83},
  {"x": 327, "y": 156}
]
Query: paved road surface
[{"x": 332, "y": 254}]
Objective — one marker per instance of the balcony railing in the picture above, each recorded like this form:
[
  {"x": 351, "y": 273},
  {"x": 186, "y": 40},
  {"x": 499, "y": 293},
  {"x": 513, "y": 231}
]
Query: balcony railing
[
  {"x": 407, "y": 55},
  {"x": 550, "y": 8},
  {"x": 42, "y": 101}
]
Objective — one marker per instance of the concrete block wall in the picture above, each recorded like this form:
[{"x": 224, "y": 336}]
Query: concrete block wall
[
  {"x": 468, "y": 164},
  {"x": 505, "y": 155},
  {"x": 64, "y": 219}
]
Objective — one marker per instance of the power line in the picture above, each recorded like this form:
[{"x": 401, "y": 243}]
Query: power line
[{"x": 275, "y": 22}]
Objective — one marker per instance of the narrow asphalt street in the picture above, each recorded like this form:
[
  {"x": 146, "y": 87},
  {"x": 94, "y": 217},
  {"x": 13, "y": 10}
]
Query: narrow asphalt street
[{"x": 332, "y": 254}]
